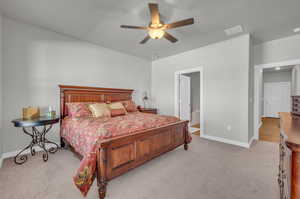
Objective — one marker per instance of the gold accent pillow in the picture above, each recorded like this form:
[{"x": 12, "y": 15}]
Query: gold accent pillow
[
  {"x": 117, "y": 109},
  {"x": 99, "y": 110}
]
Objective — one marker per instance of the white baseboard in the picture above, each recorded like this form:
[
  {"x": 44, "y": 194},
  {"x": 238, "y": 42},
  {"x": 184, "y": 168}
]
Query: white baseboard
[
  {"x": 251, "y": 141},
  {"x": 227, "y": 141},
  {"x": 256, "y": 133},
  {"x": 27, "y": 151}
]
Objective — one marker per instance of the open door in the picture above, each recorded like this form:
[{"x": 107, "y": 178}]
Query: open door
[{"x": 185, "y": 98}]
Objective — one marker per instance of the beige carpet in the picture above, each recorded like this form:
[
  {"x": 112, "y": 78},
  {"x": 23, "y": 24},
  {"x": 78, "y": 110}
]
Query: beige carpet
[{"x": 209, "y": 170}]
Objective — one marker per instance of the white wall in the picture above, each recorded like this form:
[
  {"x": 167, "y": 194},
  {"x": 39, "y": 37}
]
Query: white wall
[
  {"x": 35, "y": 61},
  {"x": 297, "y": 89},
  {"x": 226, "y": 81},
  {"x": 277, "y": 76},
  {"x": 260, "y": 96},
  {"x": 296, "y": 80},
  {"x": 1, "y": 145},
  {"x": 277, "y": 50},
  {"x": 251, "y": 91}
]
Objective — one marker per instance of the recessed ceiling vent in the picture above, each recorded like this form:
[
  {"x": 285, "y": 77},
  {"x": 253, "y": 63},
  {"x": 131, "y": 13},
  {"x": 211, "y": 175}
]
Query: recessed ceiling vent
[{"x": 234, "y": 30}]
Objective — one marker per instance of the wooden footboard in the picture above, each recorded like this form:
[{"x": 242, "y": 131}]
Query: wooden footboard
[{"x": 119, "y": 155}]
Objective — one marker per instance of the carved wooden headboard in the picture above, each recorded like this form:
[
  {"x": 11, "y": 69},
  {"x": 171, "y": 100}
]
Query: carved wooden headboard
[{"x": 90, "y": 94}]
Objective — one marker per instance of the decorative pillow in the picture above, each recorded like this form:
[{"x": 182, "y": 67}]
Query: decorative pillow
[
  {"x": 129, "y": 106},
  {"x": 117, "y": 112},
  {"x": 99, "y": 110},
  {"x": 78, "y": 109},
  {"x": 117, "y": 109}
]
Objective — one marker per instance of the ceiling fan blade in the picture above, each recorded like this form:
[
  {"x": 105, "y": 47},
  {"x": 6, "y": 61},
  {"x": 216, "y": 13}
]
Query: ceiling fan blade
[
  {"x": 134, "y": 27},
  {"x": 145, "y": 39},
  {"x": 154, "y": 13},
  {"x": 170, "y": 37},
  {"x": 177, "y": 24}
]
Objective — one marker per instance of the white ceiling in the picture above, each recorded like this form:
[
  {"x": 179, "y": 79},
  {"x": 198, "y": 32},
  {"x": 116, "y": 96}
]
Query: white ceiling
[{"x": 98, "y": 21}]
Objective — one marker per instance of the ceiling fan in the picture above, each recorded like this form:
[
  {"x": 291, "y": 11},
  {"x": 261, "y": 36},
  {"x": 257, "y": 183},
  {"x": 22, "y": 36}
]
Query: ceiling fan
[{"x": 157, "y": 29}]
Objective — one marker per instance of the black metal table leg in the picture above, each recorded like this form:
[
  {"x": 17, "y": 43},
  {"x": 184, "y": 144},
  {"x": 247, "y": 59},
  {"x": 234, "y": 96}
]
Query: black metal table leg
[
  {"x": 52, "y": 149},
  {"x": 38, "y": 139},
  {"x": 40, "y": 142},
  {"x": 37, "y": 135},
  {"x": 19, "y": 158}
]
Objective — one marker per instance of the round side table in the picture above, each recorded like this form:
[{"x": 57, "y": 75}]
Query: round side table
[{"x": 38, "y": 136}]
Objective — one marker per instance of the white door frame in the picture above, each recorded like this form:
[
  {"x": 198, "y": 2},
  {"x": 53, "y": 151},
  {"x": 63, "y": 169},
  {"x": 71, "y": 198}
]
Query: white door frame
[
  {"x": 258, "y": 69},
  {"x": 176, "y": 96}
]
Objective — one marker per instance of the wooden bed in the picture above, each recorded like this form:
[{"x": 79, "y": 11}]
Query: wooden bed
[{"x": 121, "y": 154}]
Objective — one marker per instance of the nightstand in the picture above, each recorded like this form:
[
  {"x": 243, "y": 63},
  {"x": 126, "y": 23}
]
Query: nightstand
[
  {"x": 38, "y": 136},
  {"x": 148, "y": 110}
]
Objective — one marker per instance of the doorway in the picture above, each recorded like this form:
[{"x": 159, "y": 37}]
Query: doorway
[
  {"x": 274, "y": 90},
  {"x": 189, "y": 98}
]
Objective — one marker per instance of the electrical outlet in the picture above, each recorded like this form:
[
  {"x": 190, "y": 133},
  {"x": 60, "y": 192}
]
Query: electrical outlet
[{"x": 228, "y": 127}]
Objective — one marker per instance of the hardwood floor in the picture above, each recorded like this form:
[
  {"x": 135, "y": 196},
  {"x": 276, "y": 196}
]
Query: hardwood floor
[
  {"x": 197, "y": 132},
  {"x": 269, "y": 131},
  {"x": 196, "y": 126}
]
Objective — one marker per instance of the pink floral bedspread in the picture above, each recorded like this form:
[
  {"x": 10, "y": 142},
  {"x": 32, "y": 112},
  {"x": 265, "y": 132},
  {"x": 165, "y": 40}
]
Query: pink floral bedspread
[{"x": 85, "y": 134}]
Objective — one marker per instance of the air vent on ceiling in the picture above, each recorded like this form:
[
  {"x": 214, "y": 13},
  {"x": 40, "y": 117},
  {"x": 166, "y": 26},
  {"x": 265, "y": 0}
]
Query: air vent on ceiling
[{"x": 234, "y": 30}]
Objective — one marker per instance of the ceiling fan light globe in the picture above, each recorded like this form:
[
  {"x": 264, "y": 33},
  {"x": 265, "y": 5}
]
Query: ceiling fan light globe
[{"x": 156, "y": 33}]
